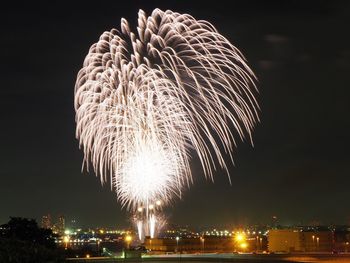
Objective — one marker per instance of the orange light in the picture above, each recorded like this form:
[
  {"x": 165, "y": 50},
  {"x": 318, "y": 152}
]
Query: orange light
[
  {"x": 239, "y": 237},
  {"x": 244, "y": 245},
  {"x": 128, "y": 238}
]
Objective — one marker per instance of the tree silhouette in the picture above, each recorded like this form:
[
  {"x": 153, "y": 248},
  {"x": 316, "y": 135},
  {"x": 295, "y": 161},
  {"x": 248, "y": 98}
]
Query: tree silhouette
[{"x": 21, "y": 240}]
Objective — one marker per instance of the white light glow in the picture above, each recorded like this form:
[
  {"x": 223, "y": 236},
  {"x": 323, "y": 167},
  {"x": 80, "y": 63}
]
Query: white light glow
[
  {"x": 139, "y": 230},
  {"x": 152, "y": 225}
]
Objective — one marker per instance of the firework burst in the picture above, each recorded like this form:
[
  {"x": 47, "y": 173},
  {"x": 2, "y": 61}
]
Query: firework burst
[{"x": 144, "y": 100}]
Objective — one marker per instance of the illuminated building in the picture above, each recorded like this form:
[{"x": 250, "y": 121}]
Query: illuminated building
[
  {"x": 61, "y": 224},
  {"x": 46, "y": 221},
  {"x": 208, "y": 244},
  {"x": 318, "y": 241},
  {"x": 202, "y": 244},
  {"x": 284, "y": 240},
  {"x": 291, "y": 240}
]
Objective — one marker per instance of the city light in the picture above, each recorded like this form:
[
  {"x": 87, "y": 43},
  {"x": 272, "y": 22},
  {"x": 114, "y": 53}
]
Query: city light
[
  {"x": 128, "y": 238},
  {"x": 243, "y": 245},
  {"x": 246, "y": 240},
  {"x": 240, "y": 240},
  {"x": 239, "y": 237},
  {"x": 66, "y": 239}
]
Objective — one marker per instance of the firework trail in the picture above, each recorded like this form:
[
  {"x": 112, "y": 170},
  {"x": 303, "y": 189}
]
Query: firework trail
[{"x": 144, "y": 100}]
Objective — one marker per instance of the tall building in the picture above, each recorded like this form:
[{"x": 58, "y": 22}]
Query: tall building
[
  {"x": 61, "y": 224},
  {"x": 46, "y": 221}
]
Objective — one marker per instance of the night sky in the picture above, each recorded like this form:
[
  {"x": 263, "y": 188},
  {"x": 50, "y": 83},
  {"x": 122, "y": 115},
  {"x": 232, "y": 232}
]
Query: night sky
[{"x": 297, "y": 170}]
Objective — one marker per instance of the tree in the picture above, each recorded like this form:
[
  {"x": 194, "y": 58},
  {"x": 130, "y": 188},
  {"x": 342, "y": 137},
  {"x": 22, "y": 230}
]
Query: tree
[{"x": 21, "y": 240}]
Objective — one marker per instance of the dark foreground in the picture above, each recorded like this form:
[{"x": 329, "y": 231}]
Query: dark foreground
[{"x": 236, "y": 258}]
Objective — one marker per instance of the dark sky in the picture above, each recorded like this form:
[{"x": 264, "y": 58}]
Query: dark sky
[{"x": 298, "y": 169}]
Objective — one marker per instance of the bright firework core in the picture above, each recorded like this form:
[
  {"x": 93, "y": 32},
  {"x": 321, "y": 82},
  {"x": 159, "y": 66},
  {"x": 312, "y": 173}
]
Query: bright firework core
[
  {"x": 147, "y": 176},
  {"x": 144, "y": 99}
]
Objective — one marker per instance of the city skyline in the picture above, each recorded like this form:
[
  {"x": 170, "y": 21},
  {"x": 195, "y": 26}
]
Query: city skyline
[{"x": 297, "y": 170}]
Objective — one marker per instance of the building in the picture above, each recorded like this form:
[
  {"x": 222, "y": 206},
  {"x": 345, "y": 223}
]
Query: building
[
  {"x": 205, "y": 244},
  {"x": 200, "y": 244},
  {"x": 284, "y": 240},
  {"x": 318, "y": 241},
  {"x": 46, "y": 221},
  {"x": 293, "y": 240},
  {"x": 342, "y": 240},
  {"x": 61, "y": 224}
]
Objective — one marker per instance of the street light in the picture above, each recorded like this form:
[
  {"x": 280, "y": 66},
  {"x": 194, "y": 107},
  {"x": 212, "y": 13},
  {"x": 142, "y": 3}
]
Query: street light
[
  {"x": 128, "y": 239},
  {"x": 177, "y": 244},
  {"x": 98, "y": 247},
  {"x": 240, "y": 239},
  {"x": 66, "y": 241},
  {"x": 243, "y": 245},
  {"x": 202, "y": 240}
]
